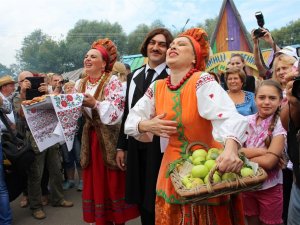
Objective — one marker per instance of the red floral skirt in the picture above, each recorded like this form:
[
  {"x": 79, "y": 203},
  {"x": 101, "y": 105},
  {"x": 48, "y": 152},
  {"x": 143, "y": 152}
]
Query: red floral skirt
[{"x": 103, "y": 194}]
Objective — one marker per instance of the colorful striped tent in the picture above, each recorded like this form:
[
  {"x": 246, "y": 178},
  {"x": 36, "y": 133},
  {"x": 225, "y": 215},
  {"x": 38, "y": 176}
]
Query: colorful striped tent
[{"x": 230, "y": 33}]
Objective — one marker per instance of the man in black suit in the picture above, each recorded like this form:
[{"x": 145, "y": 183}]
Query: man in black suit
[{"x": 143, "y": 159}]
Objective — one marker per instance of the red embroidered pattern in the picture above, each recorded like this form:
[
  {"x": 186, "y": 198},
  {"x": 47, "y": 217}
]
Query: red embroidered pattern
[
  {"x": 204, "y": 79},
  {"x": 149, "y": 93}
]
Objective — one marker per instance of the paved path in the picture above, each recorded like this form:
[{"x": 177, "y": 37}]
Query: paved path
[{"x": 55, "y": 216}]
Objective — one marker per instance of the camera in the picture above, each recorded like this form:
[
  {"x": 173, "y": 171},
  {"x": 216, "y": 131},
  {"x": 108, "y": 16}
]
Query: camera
[
  {"x": 65, "y": 80},
  {"x": 296, "y": 84},
  {"x": 261, "y": 22}
]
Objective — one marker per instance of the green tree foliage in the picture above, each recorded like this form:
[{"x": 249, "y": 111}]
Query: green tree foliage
[
  {"x": 135, "y": 39},
  {"x": 288, "y": 35},
  {"x": 4, "y": 70},
  {"x": 209, "y": 26},
  {"x": 80, "y": 38},
  {"x": 40, "y": 53}
]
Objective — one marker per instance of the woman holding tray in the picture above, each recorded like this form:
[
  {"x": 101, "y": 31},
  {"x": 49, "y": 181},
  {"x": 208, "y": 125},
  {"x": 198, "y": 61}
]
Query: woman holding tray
[
  {"x": 103, "y": 183},
  {"x": 186, "y": 107}
]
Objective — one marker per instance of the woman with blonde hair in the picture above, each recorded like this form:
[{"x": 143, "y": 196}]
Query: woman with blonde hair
[{"x": 282, "y": 65}]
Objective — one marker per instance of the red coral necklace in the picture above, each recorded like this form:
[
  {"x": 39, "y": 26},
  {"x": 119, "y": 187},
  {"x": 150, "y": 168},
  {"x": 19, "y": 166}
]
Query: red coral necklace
[{"x": 177, "y": 86}]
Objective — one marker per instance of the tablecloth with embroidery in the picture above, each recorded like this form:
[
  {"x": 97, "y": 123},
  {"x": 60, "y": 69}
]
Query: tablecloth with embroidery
[{"x": 54, "y": 120}]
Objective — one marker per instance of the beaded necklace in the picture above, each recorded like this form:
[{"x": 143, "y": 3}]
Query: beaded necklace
[
  {"x": 95, "y": 81},
  {"x": 177, "y": 86}
]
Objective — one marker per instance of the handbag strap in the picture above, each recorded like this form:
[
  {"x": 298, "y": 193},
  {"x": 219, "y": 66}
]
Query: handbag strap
[{"x": 5, "y": 119}]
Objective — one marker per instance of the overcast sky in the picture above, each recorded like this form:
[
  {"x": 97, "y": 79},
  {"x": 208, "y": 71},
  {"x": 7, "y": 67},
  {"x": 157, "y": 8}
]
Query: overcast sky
[{"x": 56, "y": 17}]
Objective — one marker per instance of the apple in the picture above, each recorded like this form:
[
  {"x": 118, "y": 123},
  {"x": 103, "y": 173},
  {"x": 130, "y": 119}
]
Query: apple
[
  {"x": 199, "y": 171},
  {"x": 197, "y": 181},
  {"x": 228, "y": 176},
  {"x": 199, "y": 160},
  {"x": 216, "y": 178},
  {"x": 185, "y": 180},
  {"x": 210, "y": 163},
  {"x": 246, "y": 171},
  {"x": 189, "y": 185},
  {"x": 191, "y": 158},
  {"x": 212, "y": 153},
  {"x": 199, "y": 152}
]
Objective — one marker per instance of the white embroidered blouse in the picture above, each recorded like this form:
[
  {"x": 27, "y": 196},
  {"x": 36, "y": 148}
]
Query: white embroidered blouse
[
  {"x": 112, "y": 107},
  {"x": 213, "y": 104}
]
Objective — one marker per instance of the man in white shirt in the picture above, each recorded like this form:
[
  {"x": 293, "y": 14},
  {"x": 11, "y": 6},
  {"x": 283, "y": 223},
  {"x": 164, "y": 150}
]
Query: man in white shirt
[{"x": 143, "y": 159}]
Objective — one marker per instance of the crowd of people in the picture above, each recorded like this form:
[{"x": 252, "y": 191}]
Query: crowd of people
[{"x": 134, "y": 125}]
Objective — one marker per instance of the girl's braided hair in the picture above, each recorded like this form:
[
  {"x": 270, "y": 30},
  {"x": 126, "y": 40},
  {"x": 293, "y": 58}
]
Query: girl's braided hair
[{"x": 277, "y": 112}]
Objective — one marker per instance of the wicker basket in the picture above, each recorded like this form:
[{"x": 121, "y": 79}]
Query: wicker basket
[{"x": 210, "y": 190}]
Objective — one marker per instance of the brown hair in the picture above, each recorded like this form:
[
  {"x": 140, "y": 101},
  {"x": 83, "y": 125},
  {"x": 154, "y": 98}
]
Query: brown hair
[
  {"x": 235, "y": 70},
  {"x": 151, "y": 34},
  {"x": 242, "y": 59},
  {"x": 276, "y": 115}
]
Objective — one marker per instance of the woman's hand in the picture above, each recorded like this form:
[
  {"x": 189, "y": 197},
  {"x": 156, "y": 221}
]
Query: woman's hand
[
  {"x": 229, "y": 160},
  {"x": 120, "y": 159},
  {"x": 89, "y": 101},
  {"x": 158, "y": 126}
]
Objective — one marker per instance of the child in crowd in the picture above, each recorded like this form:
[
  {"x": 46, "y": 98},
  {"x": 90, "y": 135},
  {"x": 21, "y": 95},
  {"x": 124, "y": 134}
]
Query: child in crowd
[
  {"x": 69, "y": 87},
  {"x": 265, "y": 144}
]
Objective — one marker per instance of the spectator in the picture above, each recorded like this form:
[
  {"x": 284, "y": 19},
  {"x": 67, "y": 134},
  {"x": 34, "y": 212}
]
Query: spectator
[
  {"x": 282, "y": 66},
  {"x": 238, "y": 61},
  {"x": 7, "y": 88},
  {"x": 263, "y": 70},
  {"x": 243, "y": 100},
  {"x": 291, "y": 121},
  {"x": 48, "y": 158},
  {"x": 5, "y": 211},
  {"x": 265, "y": 145},
  {"x": 119, "y": 70},
  {"x": 128, "y": 69}
]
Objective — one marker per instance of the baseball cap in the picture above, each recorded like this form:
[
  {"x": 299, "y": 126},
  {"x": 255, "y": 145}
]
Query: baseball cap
[{"x": 288, "y": 50}]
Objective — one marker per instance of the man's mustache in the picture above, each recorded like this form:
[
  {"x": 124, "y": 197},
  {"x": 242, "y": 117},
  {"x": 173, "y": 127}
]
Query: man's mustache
[{"x": 156, "y": 51}]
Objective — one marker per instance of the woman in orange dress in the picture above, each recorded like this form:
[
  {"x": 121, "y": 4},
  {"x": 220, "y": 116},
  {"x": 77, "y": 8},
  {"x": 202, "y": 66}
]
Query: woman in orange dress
[{"x": 190, "y": 106}]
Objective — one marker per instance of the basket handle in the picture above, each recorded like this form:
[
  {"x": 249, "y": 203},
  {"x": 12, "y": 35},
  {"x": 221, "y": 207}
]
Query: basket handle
[
  {"x": 195, "y": 143},
  {"x": 239, "y": 181},
  {"x": 210, "y": 178}
]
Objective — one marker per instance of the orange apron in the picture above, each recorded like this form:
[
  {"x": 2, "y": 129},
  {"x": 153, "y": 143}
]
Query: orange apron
[{"x": 181, "y": 106}]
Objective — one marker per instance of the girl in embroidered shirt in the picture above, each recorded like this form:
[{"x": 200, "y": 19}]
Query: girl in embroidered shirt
[{"x": 265, "y": 145}]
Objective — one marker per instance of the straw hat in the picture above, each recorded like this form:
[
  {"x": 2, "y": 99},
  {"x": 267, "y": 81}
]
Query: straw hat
[{"x": 6, "y": 80}]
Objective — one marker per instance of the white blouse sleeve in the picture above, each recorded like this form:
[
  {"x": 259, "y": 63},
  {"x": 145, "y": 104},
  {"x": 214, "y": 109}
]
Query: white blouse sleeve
[
  {"x": 112, "y": 107},
  {"x": 144, "y": 109},
  {"x": 215, "y": 105}
]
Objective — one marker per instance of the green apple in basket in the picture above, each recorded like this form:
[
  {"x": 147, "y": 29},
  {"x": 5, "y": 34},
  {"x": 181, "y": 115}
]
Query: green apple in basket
[
  {"x": 216, "y": 178},
  {"x": 199, "y": 153},
  {"x": 228, "y": 176},
  {"x": 199, "y": 171},
  {"x": 212, "y": 153},
  {"x": 210, "y": 163},
  {"x": 199, "y": 160},
  {"x": 247, "y": 171},
  {"x": 186, "y": 180},
  {"x": 197, "y": 181}
]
